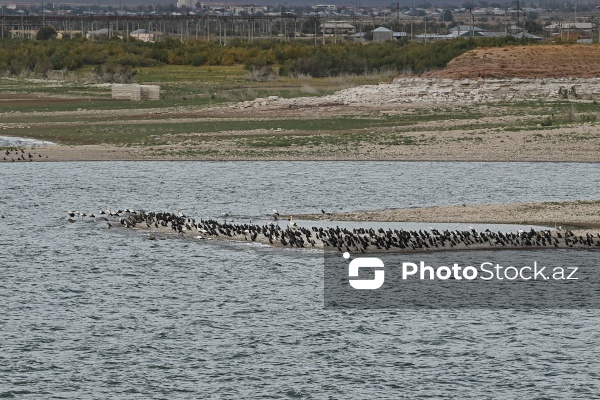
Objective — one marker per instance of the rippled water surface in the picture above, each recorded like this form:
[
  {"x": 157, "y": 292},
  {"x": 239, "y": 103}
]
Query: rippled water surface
[{"x": 88, "y": 312}]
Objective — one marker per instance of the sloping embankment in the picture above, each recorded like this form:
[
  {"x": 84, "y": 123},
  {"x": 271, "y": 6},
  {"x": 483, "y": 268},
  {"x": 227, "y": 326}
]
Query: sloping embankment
[{"x": 535, "y": 61}]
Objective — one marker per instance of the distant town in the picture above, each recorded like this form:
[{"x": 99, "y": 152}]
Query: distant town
[{"x": 550, "y": 21}]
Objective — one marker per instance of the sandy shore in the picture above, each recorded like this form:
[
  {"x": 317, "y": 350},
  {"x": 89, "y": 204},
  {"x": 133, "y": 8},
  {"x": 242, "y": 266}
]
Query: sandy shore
[
  {"x": 447, "y": 146},
  {"x": 565, "y": 214}
]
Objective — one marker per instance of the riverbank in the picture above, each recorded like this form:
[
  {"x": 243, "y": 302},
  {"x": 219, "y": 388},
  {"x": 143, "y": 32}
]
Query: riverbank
[{"x": 411, "y": 119}]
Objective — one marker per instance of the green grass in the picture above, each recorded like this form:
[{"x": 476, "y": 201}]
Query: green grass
[
  {"x": 140, "y": 133},
  {"x": 181, "y": 86},
  {"x": 188, "y": 74},
  {"x": 109, "y": 129},
  {"x": 91, "y": 105},
  {"x": 186, "y": 88},
  {"x": 96, "y": 132}
]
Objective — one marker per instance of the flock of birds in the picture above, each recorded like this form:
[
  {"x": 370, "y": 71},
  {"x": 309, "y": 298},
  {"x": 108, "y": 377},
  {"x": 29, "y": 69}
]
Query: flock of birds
[
  {"x": 19, "y": 154},
  {"x": 341, "y": 239}
]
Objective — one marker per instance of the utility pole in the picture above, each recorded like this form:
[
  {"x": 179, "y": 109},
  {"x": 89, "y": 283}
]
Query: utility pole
[
  {"x": 281, "y": 33},
  {"x": 594, "y": 22},
  {"x": 559, "y": 23},
  {"x": 471, "y": 22}
]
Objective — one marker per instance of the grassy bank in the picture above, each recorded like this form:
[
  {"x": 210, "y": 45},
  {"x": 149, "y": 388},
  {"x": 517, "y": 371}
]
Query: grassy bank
[{"x": 104, "y": 121}]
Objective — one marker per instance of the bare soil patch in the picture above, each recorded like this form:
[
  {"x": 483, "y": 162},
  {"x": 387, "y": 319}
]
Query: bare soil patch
[{"x": 543, "y": 61}]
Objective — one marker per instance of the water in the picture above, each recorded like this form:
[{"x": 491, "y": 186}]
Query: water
[
  {"x": 9, "y": 141},
  {"x": 87, "y": 312}
]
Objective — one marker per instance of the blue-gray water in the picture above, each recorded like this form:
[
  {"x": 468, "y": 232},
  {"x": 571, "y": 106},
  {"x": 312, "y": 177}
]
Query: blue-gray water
[{"x": 87, "y": 312}]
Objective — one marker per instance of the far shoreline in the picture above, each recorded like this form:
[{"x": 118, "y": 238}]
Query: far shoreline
[{"x": 105, "y": 153}]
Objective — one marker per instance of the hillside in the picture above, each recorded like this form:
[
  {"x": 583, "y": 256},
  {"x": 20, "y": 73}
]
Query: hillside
[{"x": 543, "y": 61}]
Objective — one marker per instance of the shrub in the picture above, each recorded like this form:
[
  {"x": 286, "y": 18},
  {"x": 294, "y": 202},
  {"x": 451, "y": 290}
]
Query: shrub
[
  {"x": 114, "y": 73},
  {"x": 46, "y": 33}
]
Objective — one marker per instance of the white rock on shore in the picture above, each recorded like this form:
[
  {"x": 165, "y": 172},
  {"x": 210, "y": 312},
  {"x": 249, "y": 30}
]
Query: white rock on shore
[{"x": 437, "y": 90}]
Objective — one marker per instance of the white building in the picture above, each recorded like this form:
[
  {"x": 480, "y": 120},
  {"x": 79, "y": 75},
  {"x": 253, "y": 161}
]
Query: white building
[
  {"x": 382, "y": 34},
  {"x": 326, "y": 7},
  {"x": 186, "y": 3},
  {"x": 337, "y": 27},
  {"x": 143, "y": 34}
]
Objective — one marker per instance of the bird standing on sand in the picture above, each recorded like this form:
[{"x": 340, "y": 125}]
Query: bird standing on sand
[{"x": 293, "y": 225}]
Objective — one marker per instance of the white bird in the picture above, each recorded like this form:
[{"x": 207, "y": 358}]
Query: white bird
[
  {"x": 224, "y": 216},
  {"x": 293, "y": 225},
  {"x": 275, "y": 212}
]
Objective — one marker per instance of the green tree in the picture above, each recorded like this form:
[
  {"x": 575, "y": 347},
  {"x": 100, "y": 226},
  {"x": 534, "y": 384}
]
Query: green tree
[{"x": 46, "y": 33}]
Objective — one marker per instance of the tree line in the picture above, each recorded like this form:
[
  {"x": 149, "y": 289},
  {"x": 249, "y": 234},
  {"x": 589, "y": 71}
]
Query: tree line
[{"x": 292, "y": 57}]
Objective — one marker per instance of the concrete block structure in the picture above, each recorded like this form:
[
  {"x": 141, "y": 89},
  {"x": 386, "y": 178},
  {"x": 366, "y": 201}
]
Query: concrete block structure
[{"x": 135, "y": 92}]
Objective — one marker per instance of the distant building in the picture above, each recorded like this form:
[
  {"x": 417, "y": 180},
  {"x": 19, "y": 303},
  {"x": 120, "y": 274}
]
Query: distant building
[
  {"x": 527, "y": 35},
  {"x": 382, "y": 34},
  {"x": 359, "y": 37},
  {"x": 143, "y": 34},
  {"x": 186, "y": 3},
  {"x": 430, "y": 37},
  {"x": 326, "y": 7},
  {"x": 18, "y": 6},
  {"x": 98, "y": 33},
  {"x": 571, "y": 31},
  {"x": 337, "y": 27},
  {"x": 461, "y": 29},
  {"x": 250, "y": 10}
]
